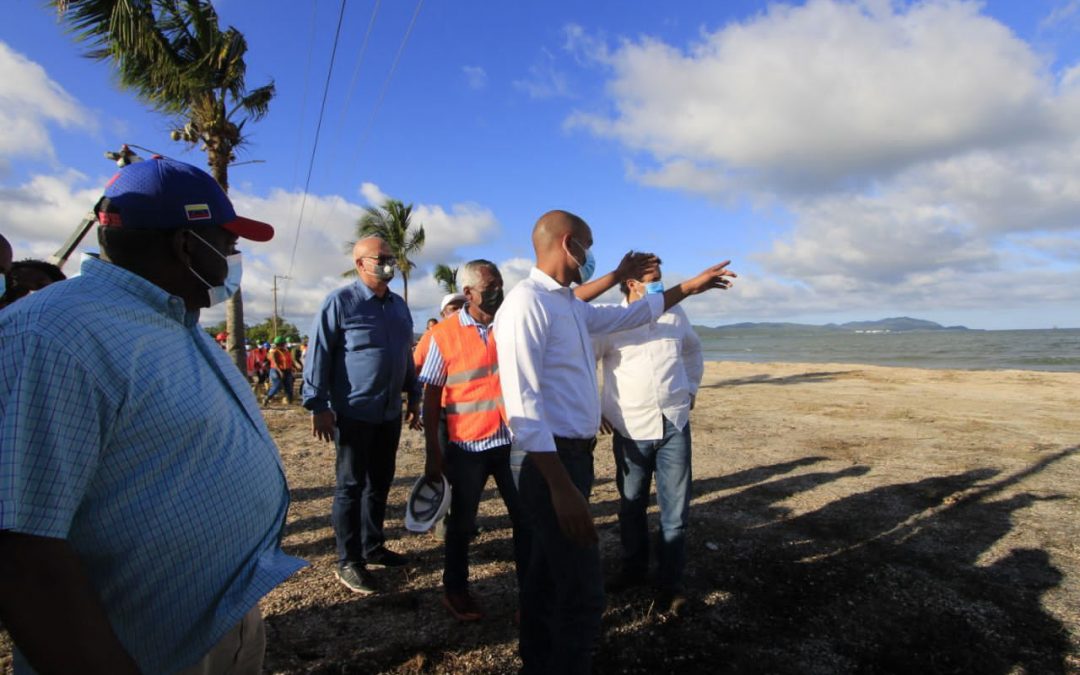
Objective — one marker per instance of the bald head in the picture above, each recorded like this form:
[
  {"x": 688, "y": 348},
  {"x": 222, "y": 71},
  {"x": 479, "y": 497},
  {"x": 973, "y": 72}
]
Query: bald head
[
  {"x": 560, "y": 240},
  {"x": 553, "y": 227},
  {"x": 370, "y": 246},
  {"x": 370, "y": 255}
]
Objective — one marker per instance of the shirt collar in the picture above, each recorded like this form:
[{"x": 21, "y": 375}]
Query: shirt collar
[
  {"x": 144, "y": 290},
  {"x": 368, "y": 294},
  {"x": 547, "y": 282},
  {"x": 466, "y": 319}
]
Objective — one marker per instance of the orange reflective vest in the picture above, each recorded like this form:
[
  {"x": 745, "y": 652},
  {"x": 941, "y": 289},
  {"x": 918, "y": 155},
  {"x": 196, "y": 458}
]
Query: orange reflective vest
[{"x": 472, "y": 396}]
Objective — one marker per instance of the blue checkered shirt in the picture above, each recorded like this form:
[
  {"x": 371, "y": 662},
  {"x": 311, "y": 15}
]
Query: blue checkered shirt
[
  {"x": 127, "y": 432},
  {"x": 434, "y": 373}
]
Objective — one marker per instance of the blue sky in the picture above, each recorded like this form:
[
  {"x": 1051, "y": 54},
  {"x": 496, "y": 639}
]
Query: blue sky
[{"x": 855, "y": 160}]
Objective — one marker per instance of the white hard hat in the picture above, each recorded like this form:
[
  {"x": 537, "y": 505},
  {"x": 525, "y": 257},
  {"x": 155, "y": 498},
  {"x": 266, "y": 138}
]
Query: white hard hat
[
  {"x": 428, "y": 502},
  {"x": 452, "y": 297}
]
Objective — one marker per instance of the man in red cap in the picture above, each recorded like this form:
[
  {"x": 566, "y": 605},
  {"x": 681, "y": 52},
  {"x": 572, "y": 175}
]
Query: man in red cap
[{"x": 142, "y": 501}]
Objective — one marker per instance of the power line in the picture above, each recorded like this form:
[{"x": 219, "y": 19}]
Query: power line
[
  {"x": 315, "y": 143},
  {"x": 386, "y": 83},
  {"x": 382, "y": 95}
]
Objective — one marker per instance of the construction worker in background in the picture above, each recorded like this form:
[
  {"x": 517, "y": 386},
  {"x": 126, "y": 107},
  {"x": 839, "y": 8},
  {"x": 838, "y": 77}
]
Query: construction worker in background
[{"x": 281, "y": 371}]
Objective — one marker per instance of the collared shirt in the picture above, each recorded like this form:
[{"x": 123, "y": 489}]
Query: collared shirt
[
  {"x": 546, "y": 361},
  {"x": 434, "y": 373},
  {"x": 359, "y": 356},
  {"x": 126, "y": 430},
  {"x": 650, "y": 372}
]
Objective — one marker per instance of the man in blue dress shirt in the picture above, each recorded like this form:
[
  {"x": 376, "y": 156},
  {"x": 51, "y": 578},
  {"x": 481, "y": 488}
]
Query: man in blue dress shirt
[
  {"x": 142, "y": 500},
  {"x": 358, "y": 363}
]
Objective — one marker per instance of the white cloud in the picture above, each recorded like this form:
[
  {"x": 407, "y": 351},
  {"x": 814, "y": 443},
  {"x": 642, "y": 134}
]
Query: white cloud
[
  {"x": 320, "y": 249},
  {"x": 812, "y": 97},
  {"x": 911, "y": 144},
  {"x": 545, "y": 80},
  {"x": 475, "y": 76},
  {"x": 29, "y": 101},
  {"x": 1062, "y": 14}
]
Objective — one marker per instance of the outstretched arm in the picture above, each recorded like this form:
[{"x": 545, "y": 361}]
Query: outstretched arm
[
  {"x": 716, "y": 276},
  {"x": 632, "y": 266}
]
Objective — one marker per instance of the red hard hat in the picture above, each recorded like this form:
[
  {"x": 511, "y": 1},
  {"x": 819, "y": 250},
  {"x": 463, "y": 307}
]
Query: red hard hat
[{"x": 222, "y": 336}]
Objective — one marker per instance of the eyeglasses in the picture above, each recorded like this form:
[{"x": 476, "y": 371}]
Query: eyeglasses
[{"x": 382, "y": 259}]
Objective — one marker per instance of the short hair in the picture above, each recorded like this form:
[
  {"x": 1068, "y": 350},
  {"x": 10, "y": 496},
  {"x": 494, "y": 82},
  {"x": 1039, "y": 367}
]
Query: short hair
[
  {"x": 48, "y": 269},
  {"x": 470, "y": 271},
  {"x": 622, "y": 284}
]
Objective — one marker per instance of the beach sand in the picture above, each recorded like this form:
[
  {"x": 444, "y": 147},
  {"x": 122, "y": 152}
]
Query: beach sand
[{"x": 845, "y": 519}]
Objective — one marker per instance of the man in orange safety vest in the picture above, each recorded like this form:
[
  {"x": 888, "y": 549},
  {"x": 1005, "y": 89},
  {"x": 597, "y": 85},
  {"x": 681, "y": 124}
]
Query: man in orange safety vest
[{"x": 461, "y": 378}]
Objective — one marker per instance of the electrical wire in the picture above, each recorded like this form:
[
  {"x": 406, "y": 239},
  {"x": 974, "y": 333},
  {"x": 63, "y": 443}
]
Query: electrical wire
[
  {"x": 379, "y": 100},
  {"x": 315, "y": 143}
]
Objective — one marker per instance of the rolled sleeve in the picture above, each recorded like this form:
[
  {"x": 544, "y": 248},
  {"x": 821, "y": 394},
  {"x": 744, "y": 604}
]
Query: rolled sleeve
[
  {"x": 521, "y": 336},
  {"x": 53, "y": 418}
]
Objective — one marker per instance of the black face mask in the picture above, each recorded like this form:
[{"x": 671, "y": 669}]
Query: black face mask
[{"x": 491, "y": 300}]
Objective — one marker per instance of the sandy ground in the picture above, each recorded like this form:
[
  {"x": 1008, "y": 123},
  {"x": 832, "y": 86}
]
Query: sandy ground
[{"x": 846, "y": 519}]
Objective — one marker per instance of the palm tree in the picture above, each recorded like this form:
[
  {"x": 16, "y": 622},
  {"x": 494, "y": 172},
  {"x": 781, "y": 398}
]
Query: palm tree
[
  {"x": 174, "y": 56},
  {"x": 392, "y": 222},
  {"x": 446, "y": 277}
]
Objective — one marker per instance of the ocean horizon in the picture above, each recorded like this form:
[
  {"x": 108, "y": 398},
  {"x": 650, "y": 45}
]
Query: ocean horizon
[{"x": 1054, "y": 349}]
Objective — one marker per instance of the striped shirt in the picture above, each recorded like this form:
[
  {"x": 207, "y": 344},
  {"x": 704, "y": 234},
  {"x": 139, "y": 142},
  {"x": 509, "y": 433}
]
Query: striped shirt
[
  {"x": 434, "y": 373},
  {"x": 126, "y": 431}
]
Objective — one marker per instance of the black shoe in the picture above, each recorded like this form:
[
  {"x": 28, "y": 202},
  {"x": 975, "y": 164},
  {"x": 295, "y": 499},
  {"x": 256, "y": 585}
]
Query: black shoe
[
  {"x": 356, "y": 578},
  {"x": 384, "y": 557},
  {"x": 624, "y": 581}
]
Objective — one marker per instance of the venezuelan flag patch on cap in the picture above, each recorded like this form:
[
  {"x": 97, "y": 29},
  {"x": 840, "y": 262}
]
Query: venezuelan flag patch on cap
[{"x": 197, "y": 211}]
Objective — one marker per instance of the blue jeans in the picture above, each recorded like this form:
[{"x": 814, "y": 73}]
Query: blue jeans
[
  {"x": 366, "y": 460},
  {"x": 280, "y": 381},
  {"x": 562, "y": 599},
  {"x": 635, "y": 462},
  {"x": 468, "y": 473}
]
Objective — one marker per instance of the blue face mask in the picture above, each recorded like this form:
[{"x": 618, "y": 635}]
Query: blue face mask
[
  {"x": 589, "y": 266},
  {"x": 3, "y": 284},
  {"x": 654, "y": 287},
  {"x": 219, "y": 294}
]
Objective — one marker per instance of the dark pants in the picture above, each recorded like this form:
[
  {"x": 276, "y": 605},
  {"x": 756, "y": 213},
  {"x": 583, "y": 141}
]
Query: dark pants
[
  {"x": 366, "y": 455},
  {"x": 468, "y": 473},
  {"x": 562, "y": 599},
  {"x": 636, "y": 462}
]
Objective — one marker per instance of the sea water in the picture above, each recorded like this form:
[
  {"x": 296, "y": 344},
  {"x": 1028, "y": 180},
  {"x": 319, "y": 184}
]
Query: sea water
[{"x": 1053, "y": 350}]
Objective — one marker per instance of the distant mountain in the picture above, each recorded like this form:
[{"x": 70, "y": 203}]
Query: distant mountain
[{"x": 899, "y": 324}]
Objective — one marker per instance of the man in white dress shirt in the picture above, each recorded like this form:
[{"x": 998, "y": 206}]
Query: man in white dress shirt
[
  {"x": 548, "y": 374},
  {"x": 651, "y": 376}
]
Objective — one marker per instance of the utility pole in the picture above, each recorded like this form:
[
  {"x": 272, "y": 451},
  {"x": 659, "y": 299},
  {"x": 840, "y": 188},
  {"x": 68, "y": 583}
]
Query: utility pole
[
  {"x": 273, "y": 318},
  {"x": 122, "y": 158}
]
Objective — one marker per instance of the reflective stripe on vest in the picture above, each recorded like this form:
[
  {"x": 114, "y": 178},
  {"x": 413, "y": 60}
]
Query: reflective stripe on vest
[
  {"x": 466, "y": 375},
  {"x": 472, "y": 397}
]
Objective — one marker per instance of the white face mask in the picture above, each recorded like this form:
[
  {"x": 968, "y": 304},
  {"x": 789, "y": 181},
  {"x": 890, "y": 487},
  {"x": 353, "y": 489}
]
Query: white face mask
[
  {"x": 219, "y": 294},
  {"x": 381, "y": 272}
]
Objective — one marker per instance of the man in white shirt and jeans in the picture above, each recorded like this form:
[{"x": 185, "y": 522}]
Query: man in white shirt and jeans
[
  {"x": 651, "y": 376},
  {"x": 547, "y": 368}
]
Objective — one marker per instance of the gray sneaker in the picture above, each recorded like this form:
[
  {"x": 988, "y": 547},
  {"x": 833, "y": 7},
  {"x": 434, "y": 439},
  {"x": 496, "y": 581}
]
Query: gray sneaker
[{"x": 356, "y": 578}]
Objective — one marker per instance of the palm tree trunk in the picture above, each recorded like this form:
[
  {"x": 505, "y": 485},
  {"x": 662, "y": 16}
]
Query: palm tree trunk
[
  {"x": 234, "y": 306},
  {"x": 405, "y": 286}
]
